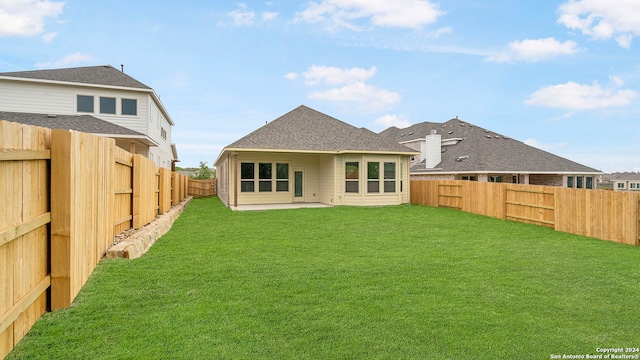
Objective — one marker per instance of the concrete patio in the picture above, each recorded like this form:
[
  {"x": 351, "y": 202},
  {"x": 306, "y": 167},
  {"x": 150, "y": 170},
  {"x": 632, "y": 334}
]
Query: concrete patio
[{"x": 278, "y": 206}]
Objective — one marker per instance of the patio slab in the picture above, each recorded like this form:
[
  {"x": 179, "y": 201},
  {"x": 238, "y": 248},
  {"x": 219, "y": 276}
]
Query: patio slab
[{"x": 278, "y": 206}]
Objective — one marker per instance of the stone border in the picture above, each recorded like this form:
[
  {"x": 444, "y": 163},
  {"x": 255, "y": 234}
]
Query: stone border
[{"x": 136, "y": 242}]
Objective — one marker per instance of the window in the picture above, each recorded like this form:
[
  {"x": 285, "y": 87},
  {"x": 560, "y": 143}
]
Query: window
[
  {"x": 163, "y": 133},
  {"x": 247, "y": 176},
  {"x": 85, "y": 103},
  {"x": 497, "y": 179},
  {"x": 579, "y": 182},
  {"x": 621, "y": 185},
  {"x": 589, "y": 181},
  {"x": 107, "y": 105},
  {"x": 129, "y": 107},
  {"x": 282, "y": 177},
  {"x": 470, "y": 178},
  {"x": 352, "y": 177},
  {"x": 373, "y": 177},
  {"x": 569, "y": 181},
  {"x": 389, "y": 177},
  {"x": 264, "y": 174}
]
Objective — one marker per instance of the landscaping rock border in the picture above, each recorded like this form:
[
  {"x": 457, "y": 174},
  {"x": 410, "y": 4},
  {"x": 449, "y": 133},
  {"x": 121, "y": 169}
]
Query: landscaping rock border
[{"x": 134, "y": 243}]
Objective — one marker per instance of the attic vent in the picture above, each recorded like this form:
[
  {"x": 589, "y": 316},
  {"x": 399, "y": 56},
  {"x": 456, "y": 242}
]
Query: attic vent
[
  {"x": 401, "y": 135},
  {"x": 461, "y": 124},
  {"x": 460, "y": 158},
  {"x": 497, "y": 136},
  {"x": 485, "y": 130},
  {"x": 411, "y": 133},
  {"x": 450, "y": 132},
  {"x": 488, "y": 136},
  {"x": 51, "y": 116}
]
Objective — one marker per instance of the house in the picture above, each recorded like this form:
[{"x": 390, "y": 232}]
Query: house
[
  {"x": 458, "y": 150},
  {"x": 625, "y": 181},
  {"x": 307, "y": 156},
  {"x": 95, "y": 99}
]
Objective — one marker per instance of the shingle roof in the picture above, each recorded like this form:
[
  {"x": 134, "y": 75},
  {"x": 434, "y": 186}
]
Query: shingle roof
[
  {"x": 483, "y": 150},
  {"x": 84, "y": 123},
  {"x": 305, "y": 129},
  {"x": 98, "y": 75},
  {"x": 621, "y": 176}
]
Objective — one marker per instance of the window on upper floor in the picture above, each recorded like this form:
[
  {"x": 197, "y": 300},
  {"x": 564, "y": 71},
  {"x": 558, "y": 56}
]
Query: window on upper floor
[
  {"x": 84, "y": 103},
  {"x": 163, "y": 133},
  {"x": 107, "y": 105},
  {"x": 129, "y": 107}
]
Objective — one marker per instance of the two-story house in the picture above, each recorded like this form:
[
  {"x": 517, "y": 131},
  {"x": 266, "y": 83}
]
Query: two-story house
[{"x": 95, "y": 99}]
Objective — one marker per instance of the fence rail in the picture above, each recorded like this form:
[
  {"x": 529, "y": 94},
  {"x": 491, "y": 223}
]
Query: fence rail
[
  {"x": 605, "y": 215},
  {"x": 63, "y": 197},
  {"x": 202, "y": 188}
]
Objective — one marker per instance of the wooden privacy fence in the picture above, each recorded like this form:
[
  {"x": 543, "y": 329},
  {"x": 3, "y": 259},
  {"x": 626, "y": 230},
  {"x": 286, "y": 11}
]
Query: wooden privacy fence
[
  {"x": 63, "y": 197},
  {"x": 605, "y": 215},
  {"x": 202, "y": 188}
]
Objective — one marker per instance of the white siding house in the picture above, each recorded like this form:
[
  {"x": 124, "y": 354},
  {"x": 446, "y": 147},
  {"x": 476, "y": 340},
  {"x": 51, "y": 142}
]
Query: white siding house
[{"x": 102, "y": 92}]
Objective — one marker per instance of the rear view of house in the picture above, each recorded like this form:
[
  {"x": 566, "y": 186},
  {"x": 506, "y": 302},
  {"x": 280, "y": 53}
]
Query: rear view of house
[{"x": 307, "y": 156}]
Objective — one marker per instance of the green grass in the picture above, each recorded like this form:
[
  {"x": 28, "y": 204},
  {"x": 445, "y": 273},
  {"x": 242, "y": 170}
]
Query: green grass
[{"x": 405, "y": 282}]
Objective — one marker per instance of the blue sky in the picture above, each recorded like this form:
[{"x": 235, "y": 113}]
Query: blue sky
[{"x": 563, "y": 76}]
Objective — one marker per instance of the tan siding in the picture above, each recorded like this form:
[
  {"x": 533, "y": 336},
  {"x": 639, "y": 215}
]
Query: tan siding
[
  {"x": 327, "y": 180},
  {"x": 310, "y": 164}
]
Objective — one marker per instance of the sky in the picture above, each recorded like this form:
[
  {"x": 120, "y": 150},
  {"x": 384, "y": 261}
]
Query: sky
[{"x": 563, "y": 76}]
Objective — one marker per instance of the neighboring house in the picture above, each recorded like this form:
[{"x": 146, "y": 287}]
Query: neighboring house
[
  {"x": 307, "y": 156},
  {"x": 626, "y": 181},
  {"x": 88, "y": 99},
  {"x": 458, "y": 150}
]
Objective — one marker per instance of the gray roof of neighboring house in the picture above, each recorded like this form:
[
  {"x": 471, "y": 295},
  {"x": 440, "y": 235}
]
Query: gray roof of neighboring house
[
  {"x": 622, "y": 176},
  {"x": 482, "y": 150},
  {"x": 84, "y": 123},
  {"x": 97, "y": 75},
  {"x": 306, "y": 129}
]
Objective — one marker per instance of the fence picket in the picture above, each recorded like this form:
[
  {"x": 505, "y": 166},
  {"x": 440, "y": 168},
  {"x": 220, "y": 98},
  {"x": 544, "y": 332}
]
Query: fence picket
[
  {"x": 64, "y": 195},
  {"x": 605, "y": 215}
]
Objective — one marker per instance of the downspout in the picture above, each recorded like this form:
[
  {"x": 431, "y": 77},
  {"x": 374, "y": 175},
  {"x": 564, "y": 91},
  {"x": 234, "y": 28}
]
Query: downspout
[{"x": 235, "y": 180}]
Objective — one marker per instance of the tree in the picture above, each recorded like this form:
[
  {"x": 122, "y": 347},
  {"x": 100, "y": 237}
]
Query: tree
[{"x": 203, "y": 172}]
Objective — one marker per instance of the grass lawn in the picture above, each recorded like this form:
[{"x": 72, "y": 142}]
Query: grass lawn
[{"x": 405, "y": 282}]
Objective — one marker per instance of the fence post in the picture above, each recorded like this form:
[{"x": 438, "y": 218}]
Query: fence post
[{"x": 62, "y": 217}]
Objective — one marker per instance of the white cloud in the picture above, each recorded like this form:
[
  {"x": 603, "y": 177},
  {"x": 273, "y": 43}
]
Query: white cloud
[
  {"x": 603, "y": 19},
  {"x": 547, "y": 147},
  {"x": 339, "y": 14},
  {"x": 291, "y": 76},
  {"x": 369, "y": 97},
  {"x": 389, "y": 120},
  {"x": 26, "y": 17},
  {"x": 574, "y": 96},
  {"x": 269, "y": 15},
  {"x": 71, "y": 59},
  {"x": 241, "y": 16},
  {"x": 335, "y": 76},
  {"x": 534, "y": 50},
  {"x": 48, "y": 37}
]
